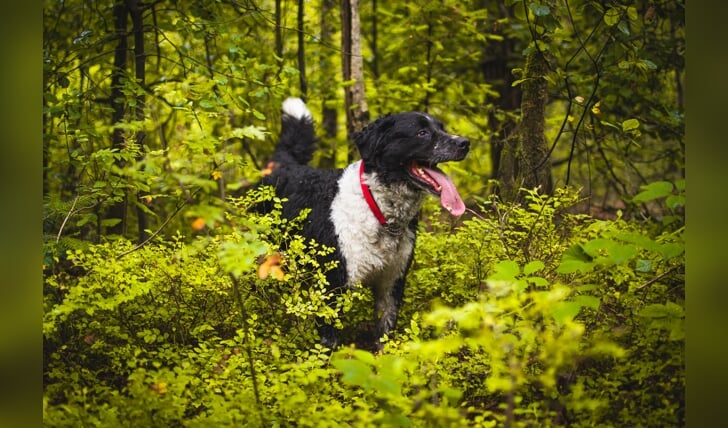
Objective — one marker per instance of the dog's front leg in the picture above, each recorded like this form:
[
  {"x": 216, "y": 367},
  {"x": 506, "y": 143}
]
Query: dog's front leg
[
  {"x": 329, "y": 336},
  {"x": 387, "y": 301}
]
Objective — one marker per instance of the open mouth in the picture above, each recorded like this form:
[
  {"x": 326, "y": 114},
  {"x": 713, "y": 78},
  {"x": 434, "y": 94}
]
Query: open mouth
[{"x": 439, "y": 184}]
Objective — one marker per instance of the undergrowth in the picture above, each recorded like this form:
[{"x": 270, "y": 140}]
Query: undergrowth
[{"x": 522, "y": 315}]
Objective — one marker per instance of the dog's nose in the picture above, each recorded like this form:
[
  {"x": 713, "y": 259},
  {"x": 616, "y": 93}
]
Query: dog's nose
[{"x": 462, "y": 143}]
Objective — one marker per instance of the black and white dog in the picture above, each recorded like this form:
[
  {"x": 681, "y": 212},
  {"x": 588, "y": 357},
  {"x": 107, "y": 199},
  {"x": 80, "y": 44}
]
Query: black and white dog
[{"x": 368, "y": 210}]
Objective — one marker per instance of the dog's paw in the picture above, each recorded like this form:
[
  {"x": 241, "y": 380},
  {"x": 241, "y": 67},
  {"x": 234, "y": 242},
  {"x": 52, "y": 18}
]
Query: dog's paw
[{"x": 295, "y": 107}]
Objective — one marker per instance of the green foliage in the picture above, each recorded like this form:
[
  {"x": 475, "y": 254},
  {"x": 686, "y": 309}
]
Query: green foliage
[{"x": 497, "y": 327}]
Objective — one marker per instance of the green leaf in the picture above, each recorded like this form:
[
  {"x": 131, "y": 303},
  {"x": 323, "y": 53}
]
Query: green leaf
[
  {"x": 588, "y": 301},
  {"x": 677, "y": 330},
  {"x": 675, "y": 310},
  {"x": 652, "y": 191},
  {"x": 110, "y": 222},
  {"x": 354, "y": 372},
  {"x": 506, "y": 270},
  {"x": 576, "y": 252},
  {"x": 250, "y": 131},
  {"x": 622, "y": 26},
  {"x": 680, "y": 184},
  {"x": 635, "y": 238},
  {"x": 565, "y": 311},
  {"x": 648, "y": 64},
  {"x": 364, "y": 356},
  {"x": 619, "y": 254},
  {"x": 538, "y": 281},
  {"x": 630, "y": 124},
  {"x": 599, "y": 247},
  {"x": 657, "y": 310},
  {"x": 575, "y": 259},
  {"x": 207, "y": 104},
  {"x": 387, "y": 386},
  {"x": 238, "y": 258},
  {"x": 674, "y": 201},
  {"x": 539, "y": 10},
  {"x": 517, "y": 82},
  {"x": 532, "y": 267},
  {"x": 572, "y": 266},
  {"x": 671, "y": 249},
  {"x": 643, "y": 265},
  {"x": 611, "y": 17},
  {"x": 632, "y": 13}
]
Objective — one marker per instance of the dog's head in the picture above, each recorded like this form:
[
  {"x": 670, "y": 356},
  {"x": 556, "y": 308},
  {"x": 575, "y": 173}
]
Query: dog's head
[{"x": 406, "y": 148}]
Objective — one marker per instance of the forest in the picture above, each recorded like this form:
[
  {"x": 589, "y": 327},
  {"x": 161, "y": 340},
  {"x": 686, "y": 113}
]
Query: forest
[{"x": 557, "y": 299}]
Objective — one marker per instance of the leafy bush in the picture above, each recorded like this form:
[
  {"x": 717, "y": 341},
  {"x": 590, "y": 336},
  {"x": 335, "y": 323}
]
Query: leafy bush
[{"x": 525, "y": 315}]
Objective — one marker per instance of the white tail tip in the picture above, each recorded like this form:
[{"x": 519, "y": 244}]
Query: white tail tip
[{"x": 295, "y": 107}]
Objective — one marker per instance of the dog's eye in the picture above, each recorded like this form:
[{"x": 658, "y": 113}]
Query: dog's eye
[{"x": 423, "y": 133}]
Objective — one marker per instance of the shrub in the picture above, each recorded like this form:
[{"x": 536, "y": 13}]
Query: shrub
[{"x": 523, "y": 315}]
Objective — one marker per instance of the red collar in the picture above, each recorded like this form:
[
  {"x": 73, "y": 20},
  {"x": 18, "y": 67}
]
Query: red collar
[{"x": 369, "y": 198}]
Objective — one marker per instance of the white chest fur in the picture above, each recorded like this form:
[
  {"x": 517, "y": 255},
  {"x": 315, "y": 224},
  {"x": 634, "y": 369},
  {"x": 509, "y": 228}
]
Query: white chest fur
[{"x": 374, "y": 255}]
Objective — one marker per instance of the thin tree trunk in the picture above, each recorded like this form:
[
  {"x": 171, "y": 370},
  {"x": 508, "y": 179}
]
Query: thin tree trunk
[
  {"x": 209, "y": 39},
  {"x": 496, "y": 68},
  {"x": 524, "y": 160},
  {"x": 428, "y": 61},
  {"x": 357, "y": 112},
  {"x": 301, "y": 53},
  {"x": 279, "y": 31},
  {"x": 536, "y": 162},
  {"x": 118, "y": 209},
  {"x": 328, "y": 92},
  {"x": 375, "y": 35},
  {"x": 140, "y": 75}
]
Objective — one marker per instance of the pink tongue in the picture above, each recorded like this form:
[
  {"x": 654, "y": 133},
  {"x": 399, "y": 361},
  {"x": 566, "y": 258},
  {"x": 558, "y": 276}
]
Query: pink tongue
[{"x": 449, "y": 197}]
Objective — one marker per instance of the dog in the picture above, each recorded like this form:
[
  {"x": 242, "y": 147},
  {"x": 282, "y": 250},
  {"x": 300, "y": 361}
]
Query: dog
[{"x": 367, "y": 211}]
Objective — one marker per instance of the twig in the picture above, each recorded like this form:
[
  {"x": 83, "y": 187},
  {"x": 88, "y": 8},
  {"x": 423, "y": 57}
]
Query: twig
[
  {"x": 474, "y": 213},
  {"x": 70, "y": 212},
  {"x": 143, "y": 243},
  {"x": 248, "y": 346},
  {"x": 657, "y": 278}
]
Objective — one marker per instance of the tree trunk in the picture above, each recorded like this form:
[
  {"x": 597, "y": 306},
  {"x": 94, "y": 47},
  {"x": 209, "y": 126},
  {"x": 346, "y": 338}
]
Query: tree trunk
[
  {"x": 328, "y": 92},
  {"x": 301, "y": 53},
  {"x": 524, "y": 159},
  {"x": 279, "y": 31},
  {"x": 140, "y": 75},
  {"x": 499, "y": 58},
  {"x": 118, "y": 209},
  {"x": 429, "y": 60},
  {"x": 374, "y": 45},
  {"x": 357, "y": 112}
]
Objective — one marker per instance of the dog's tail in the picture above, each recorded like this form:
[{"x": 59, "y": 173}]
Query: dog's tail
[{"x": 297, "y": 139}]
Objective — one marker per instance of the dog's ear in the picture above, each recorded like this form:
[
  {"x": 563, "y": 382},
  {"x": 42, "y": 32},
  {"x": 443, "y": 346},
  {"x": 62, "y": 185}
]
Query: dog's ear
[{"x": 369, "y": 139}]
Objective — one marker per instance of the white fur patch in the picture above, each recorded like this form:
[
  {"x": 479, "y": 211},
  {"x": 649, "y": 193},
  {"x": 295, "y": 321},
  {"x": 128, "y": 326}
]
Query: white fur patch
[
  {"x": 295, "y": 107},
  {"x": 374, "y": 255}
]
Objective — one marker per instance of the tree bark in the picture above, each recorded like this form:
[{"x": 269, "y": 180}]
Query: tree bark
[
  {"x": 301, "y": 53},
  {"x": 429, "y": 60},
  {"x": 140, "y": 75},
  {"x": 279, "y": 31},
  {"x": 374, "y": 43},
  {"x": 499, "y": 58},
  {"x": 357, "y": 112},
  {"x": 328, "y": 92},
  {"x": 118, "y": 209},
  {"x": 524, "y": 160}
]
